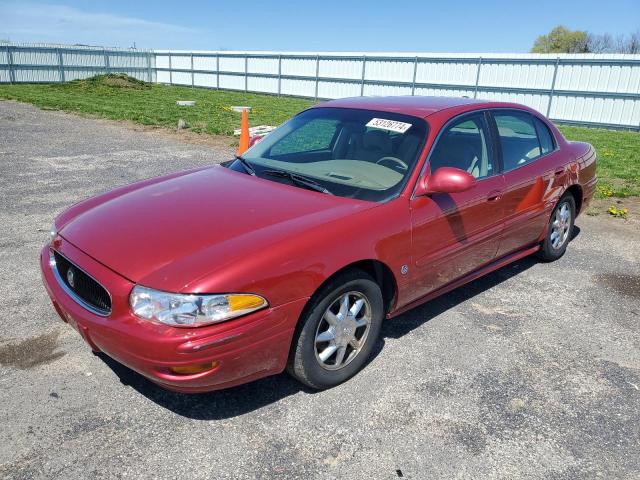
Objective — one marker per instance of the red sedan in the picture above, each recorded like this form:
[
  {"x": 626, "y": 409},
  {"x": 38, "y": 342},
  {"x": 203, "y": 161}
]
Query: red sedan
[{"x": 291, "y": 256}]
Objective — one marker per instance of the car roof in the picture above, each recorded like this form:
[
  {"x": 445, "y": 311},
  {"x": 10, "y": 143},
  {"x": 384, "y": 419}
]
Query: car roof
[{"x": 418, "y": 106}]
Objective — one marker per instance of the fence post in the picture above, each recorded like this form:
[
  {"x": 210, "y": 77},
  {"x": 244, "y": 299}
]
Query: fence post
[
  {"x": 475, "y": 90},
  {"x": 170, "y": 71},
  {"x": 279, "y": 74},
  {"x": 415, "y": 71},
  {"x": 317, "y": 75},
  {"x": 246, "y": 71},
  {"x": 217, "y": 71},
  {"x": 364, "y": 64},
  {"x": 192, "y": 81},
  {"x": 149, "y": 66},
  {"x": 12, "y": 73},
  {"x": 60, "y": 65},
  {"x": 107, "y": 65},
  {"x": 553, "y": 86}
]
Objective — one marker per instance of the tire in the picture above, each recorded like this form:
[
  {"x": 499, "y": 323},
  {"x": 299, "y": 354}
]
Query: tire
[
  {"x": 559, "y": 234},
  {"x": 312, "y": 360}
]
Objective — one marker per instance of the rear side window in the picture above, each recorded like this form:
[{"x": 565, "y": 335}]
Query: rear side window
[
  {"x": 544, "y": 135},
  {"x": 518, "y": 139}
]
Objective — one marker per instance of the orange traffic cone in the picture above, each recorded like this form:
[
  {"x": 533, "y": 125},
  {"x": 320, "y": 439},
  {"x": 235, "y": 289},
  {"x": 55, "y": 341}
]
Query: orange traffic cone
[{"x": 244, "y": 133}]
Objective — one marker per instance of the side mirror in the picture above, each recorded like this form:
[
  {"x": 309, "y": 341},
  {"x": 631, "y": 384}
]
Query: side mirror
[{"x": 445, "y": 180}]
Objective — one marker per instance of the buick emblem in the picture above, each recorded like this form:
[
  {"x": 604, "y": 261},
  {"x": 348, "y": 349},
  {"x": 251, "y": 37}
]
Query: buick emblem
[{"x": 71, "y": 278}]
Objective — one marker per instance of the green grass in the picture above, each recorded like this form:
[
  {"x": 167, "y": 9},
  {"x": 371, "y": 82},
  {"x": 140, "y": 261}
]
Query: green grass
[
  {"x": 618, "y": 159},
  {"x": 121, "y": 98}
]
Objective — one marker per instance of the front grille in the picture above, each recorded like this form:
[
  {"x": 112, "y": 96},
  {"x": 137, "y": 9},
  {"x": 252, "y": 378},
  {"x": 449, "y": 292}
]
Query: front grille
[{"x": 81, "y": 286}]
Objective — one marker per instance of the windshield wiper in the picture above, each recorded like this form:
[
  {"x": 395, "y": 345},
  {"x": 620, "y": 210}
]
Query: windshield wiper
[
  {"x": 298, "y": 179},
  {"x": 247, "y": 166}
]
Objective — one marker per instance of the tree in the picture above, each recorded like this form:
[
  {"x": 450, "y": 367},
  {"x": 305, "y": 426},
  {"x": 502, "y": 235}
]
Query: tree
[
  {"x": 634, "y": 42},
  {"x": 605, "y": 43},
  {"x": 628, "y": 44},
  {"x": 600, "y": 43},
  {"x": 562, "y": 40}
]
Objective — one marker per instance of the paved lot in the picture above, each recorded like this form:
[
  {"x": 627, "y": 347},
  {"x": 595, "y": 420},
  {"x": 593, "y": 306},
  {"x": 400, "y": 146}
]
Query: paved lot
[{"x": 531, "y": 372}]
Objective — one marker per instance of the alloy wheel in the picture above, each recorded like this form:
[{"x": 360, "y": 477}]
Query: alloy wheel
[
  {"x": 343, "y": 330},
  {"x": 560, "y": 226}
]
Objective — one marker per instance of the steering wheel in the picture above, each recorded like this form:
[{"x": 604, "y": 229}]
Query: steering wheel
[{"x": 397, "y": 164}]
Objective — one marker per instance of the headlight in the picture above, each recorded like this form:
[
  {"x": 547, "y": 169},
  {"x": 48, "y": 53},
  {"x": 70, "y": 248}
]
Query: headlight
[{"x": 181, "y": 310}]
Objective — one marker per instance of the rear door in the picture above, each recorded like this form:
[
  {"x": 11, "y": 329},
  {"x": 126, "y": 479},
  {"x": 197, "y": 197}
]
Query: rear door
[
  {"x": 529, "y": 159},
  {"x": 454, "y": 234}
]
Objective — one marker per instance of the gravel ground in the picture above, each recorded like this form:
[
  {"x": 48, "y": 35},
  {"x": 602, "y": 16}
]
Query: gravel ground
[{"x": 531, "y": 372}]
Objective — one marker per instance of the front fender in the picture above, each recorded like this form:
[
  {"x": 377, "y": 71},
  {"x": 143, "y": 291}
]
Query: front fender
[{"x": 295, "y": 268}]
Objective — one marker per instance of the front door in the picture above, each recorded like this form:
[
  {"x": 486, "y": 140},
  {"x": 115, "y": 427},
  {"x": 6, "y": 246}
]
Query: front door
[{"x": 454, "y": 234}]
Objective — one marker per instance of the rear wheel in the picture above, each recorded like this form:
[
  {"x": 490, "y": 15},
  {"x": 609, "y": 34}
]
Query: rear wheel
[
  {"x": 559, "y": 230},
  {"x": 338, "y": 331}
]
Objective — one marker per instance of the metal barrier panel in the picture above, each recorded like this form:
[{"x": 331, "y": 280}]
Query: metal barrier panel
[
  {"x": 594, "y": 90},
  {"x": 42, "y": 63}
]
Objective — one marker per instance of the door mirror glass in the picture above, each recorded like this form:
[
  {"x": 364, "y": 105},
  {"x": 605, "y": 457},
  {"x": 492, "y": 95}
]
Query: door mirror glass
[{"x": 446, "y": 180}]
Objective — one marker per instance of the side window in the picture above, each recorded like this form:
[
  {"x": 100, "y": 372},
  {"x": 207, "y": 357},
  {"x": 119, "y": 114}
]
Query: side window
[
  {"x": 314, "y": 135},
  {"x": 465, "y": 145},
  {"x": 544, "y": 135},
  {"x": 518, "y": 139}
]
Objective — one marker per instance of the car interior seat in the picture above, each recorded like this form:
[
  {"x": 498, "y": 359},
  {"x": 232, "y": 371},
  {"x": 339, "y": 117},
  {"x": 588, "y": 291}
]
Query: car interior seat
[
  {"x": 459, "y": 153},
  {"x": 371, "y": 146}
]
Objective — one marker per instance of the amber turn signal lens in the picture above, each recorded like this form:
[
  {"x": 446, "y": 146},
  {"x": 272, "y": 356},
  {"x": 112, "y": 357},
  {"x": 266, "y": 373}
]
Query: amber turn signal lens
[
  {"x": 245, "y": 302},
  {"x": 193, "y": 369}
]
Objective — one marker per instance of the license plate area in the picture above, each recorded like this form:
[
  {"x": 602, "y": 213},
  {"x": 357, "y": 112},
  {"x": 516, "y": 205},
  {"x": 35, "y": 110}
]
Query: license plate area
[{"x": 81, "y": 329}]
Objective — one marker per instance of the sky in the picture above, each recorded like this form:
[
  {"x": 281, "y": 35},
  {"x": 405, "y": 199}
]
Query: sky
[{"x": 321, "y": 25}]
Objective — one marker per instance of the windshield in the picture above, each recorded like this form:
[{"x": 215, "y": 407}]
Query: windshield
[{"x": 361, "y": 154}]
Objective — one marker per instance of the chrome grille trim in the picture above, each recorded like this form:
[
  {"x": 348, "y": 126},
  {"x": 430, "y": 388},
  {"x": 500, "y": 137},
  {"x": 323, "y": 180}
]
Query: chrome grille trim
[{"x": 93, "y": 309}]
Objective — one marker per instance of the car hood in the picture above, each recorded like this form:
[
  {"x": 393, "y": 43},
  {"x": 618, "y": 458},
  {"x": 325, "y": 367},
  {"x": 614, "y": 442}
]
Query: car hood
[{"x": 166, "y": 234}]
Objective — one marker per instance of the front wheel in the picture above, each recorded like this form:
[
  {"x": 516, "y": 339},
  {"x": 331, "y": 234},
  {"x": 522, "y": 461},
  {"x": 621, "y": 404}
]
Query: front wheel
[
  {"x": 559, "y": 230},
  {"x": 338, "y": 331}
]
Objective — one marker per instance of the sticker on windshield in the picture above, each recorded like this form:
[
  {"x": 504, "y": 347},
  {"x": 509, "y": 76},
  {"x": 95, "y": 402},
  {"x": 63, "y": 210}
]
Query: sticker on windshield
[{"x": 391, "y": 125}]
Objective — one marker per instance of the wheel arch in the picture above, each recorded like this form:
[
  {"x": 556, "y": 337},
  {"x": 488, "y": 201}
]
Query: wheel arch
[
  {"x": 377, "y": 270},
  {"x": 576, "y": 191},
  {"x": 380, "y": 272}
]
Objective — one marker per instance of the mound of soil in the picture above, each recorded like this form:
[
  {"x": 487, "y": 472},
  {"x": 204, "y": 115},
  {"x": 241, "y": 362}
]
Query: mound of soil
[{"x": 112, "y": 80}]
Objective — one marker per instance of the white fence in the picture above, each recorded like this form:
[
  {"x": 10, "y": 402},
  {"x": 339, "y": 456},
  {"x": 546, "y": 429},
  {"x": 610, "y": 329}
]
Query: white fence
[
  {"x": 597, "y": 90},
  {"x": 61, "y": 63}
]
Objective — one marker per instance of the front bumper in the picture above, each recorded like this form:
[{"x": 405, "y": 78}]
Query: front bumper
[{"x": 245, "y": 349}]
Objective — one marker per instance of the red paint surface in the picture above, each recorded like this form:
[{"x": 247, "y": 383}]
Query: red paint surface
[{"x": 213, "y": 230}]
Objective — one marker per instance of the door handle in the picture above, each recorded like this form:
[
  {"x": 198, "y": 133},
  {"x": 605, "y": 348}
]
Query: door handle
[{"x": 494, "y": 195}]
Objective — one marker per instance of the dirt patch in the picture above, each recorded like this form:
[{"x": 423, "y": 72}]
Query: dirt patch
[
  {"x": 600, "y": 206},
  {"x": 31, "y": 352},
  {"x": 114, "y": 80},
  {"x": 624, "y": 284},
  {"x": 184, "y": 136}
]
